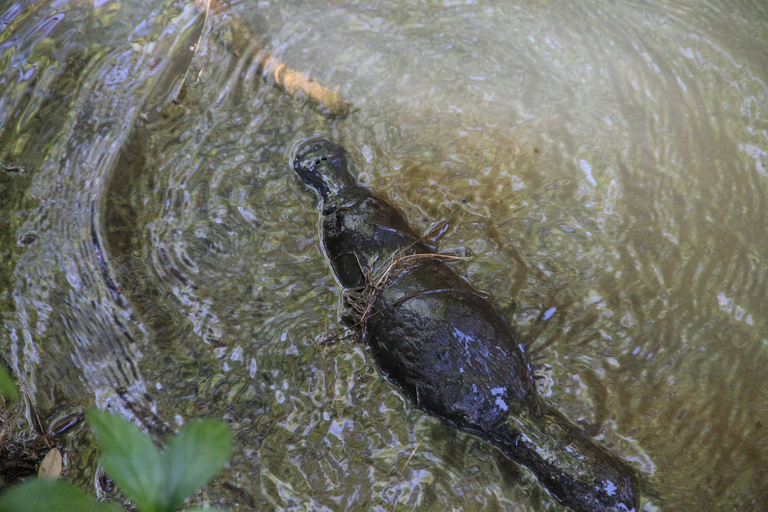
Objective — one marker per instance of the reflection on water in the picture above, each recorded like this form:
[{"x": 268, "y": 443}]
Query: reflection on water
[{"x": 605, "y": 164}]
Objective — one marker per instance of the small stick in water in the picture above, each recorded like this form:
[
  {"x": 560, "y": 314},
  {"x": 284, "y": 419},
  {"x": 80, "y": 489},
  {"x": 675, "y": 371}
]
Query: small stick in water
[{"x": 295, "y": 83}]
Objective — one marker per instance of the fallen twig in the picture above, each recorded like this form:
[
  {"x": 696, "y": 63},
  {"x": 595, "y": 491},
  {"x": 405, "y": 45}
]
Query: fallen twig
[
  {"x": 273, "y": 70},
  {"x": 411, "y": 455}
]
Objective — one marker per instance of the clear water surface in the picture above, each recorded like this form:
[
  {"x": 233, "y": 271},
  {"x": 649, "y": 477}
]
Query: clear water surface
[{"x": 603, "y": 163}]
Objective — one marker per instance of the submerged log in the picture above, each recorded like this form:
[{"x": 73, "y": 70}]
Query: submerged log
[
  {"x": 446, "y": 345},
  {"x": 296, "y": 84}
]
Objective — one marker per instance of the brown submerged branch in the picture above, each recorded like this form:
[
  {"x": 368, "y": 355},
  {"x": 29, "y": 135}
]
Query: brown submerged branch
[{"x": 295, "y": 83}]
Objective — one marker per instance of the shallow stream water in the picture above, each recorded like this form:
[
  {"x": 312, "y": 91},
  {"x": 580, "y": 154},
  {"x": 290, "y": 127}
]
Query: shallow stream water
[{"x": 602, "y": 164}]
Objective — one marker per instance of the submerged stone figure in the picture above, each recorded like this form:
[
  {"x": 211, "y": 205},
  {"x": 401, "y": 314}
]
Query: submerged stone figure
[{"x": 445, "y": 344}]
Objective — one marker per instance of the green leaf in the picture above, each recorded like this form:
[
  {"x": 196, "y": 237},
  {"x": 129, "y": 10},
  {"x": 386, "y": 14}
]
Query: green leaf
[
  {"x": 194, "y": 456},
  {"x": 7, "y": 386},
  {"x": 46, "y": 495},
  {"x": 130, "y": 458}
]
